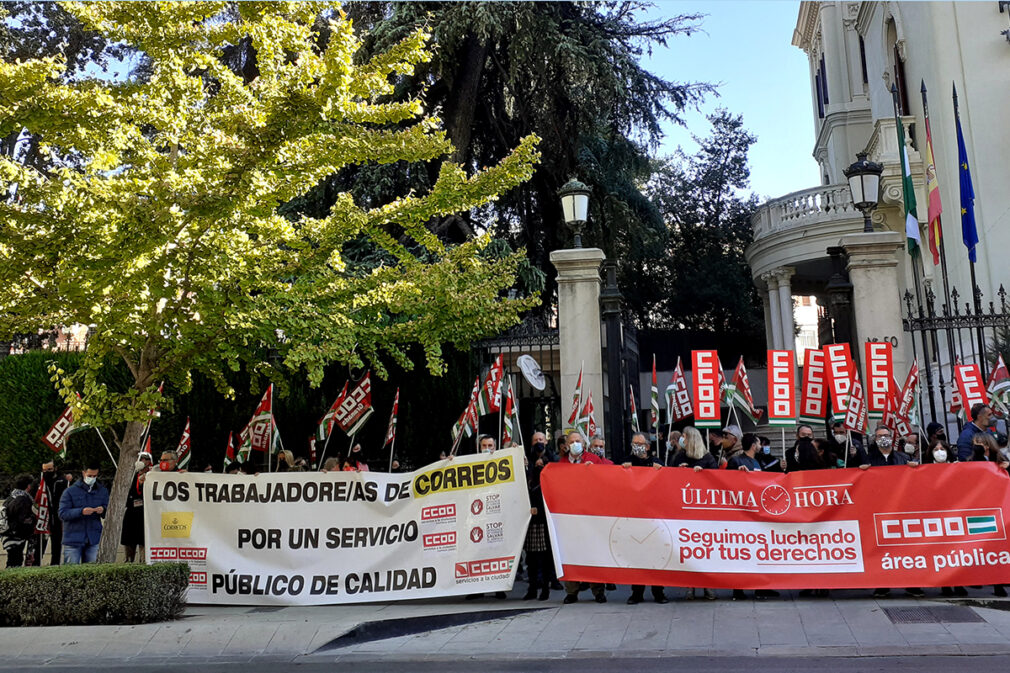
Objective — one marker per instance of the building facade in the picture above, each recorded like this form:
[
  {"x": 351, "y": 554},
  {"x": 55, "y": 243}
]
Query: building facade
[{"x": 811, "y": 242}]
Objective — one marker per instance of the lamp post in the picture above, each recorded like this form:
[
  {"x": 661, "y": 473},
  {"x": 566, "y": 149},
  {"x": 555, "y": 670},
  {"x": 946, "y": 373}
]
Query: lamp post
[
  {"x": 575, "y": 204},
  {"x": 864, "y": 185}
]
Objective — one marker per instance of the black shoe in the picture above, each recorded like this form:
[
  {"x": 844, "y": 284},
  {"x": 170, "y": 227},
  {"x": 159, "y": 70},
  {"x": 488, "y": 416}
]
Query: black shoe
[
  {"x": 544, "y": 594},
  {"x": 662, "y": 600},
  {"x": 601, "y": 599},
  {"x": 822, "y": 593},
  {"x": 570, "y": 598},
  {"x": 611, "y": 587},
  {"x": 634, "y": 600},
  {"x": 946, "y": 591},
  {"x": 916, "y": 592},
  {"x": 766, "y": 593},
  {"x": 806, "y": 593},
  {"x": 474, "y": 597},
  {"x": 556, "y": 586},
  {"x": 881, "y": 593},
  {"x": 999, "y": 591},
  {"x": 960, "y": 591},
  {"x": 739, "y": 595},
  {"x": 500, "y": 595},
  {"x": 530, "y": 594}
]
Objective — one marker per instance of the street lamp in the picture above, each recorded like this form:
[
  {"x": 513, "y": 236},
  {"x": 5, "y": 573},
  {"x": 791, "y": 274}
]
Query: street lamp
[
  {"x": 864, "y": 185},
  {"x": 575, "y": 204}
]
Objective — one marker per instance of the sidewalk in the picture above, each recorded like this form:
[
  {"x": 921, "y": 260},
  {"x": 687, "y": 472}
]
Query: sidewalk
[{"x": 850, "y": 624}]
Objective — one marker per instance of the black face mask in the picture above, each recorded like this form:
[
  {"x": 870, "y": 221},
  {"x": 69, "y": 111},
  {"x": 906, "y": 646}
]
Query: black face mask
[{"x": 539, "y": 447}]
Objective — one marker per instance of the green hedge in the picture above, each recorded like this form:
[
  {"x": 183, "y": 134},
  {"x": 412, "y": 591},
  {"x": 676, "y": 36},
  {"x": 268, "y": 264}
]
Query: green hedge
[{"x": 92, "y": 594}]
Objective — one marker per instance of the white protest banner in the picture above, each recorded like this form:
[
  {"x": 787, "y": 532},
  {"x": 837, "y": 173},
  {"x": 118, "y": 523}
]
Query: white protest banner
[{"x": 303, "y": 538}]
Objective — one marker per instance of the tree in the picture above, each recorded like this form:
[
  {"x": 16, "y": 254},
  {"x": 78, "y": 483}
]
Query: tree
[
  {"x": 569, "y": 72},
  {"x": 159, "y": 224},
  {"x": 702, "y": 280}
]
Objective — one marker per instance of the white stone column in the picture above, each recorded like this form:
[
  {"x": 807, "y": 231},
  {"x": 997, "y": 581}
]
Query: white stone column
[
  {"x": 579, "y": 326},
  {"x": 767, "y": 316},
  {"x": 876, "y": 295},
  {"x": 785, "y": 275},
  {"x": 773, "y": 309}
]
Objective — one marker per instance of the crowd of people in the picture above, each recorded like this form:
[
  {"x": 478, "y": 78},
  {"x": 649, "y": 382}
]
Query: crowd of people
[{"x": 79, "y": 505}]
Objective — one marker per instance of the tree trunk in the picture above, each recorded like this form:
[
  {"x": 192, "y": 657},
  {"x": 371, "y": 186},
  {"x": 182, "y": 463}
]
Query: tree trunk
[
  {"x": 113, "y": 525},
  {"x": 463, "y": 97}
]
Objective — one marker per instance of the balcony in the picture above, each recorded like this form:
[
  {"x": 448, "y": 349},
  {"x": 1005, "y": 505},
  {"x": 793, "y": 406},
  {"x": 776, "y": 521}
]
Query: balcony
[
  {"x": 804, "y": 208},
  {"x": 798, "y": 228}
]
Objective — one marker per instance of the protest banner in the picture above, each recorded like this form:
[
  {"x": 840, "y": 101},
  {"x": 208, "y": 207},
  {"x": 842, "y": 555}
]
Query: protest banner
[
  {"x": 839, "y": 370},
  {"x": 932, "y": 525},
  {"x": 303, "y": 538},
  {"x": 781, "y": 385},
  {"x": 707, "y": 373},
  {"x": 879, "y": 373},
  {"x": 814, "y": 399}
]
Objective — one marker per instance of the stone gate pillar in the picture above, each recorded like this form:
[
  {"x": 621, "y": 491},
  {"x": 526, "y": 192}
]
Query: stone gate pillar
[
  {"x": 876, "y": 296},
  {"x": 579, "y": 327}
]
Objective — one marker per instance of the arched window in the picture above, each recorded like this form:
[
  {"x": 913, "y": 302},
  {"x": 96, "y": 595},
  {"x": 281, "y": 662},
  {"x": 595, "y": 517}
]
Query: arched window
[{"x": 897, "y": 67}]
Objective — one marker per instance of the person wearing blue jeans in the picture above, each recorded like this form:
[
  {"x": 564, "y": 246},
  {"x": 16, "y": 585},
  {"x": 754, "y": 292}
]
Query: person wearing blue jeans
[{"x": 82, "y": 508}]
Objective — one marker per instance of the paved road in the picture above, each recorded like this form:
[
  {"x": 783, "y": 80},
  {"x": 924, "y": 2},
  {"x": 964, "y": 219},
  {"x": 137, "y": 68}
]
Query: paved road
[{"x": 988, "y": 664}]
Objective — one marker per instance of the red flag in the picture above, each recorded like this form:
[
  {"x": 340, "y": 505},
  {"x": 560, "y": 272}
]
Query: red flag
[
  {"x": 56, "y": 438},
  {"x": 634, "y": 411},
  {"x": 879, "y": 373},
  {"x": 356, "y": 406},
  {"x": 41, "y": 508},
  {"x": 573, "y": 417},
  {"x": 312, "y": 451},
  {"x": 969, "y": 384},
  {"x": 781, "y": 383},
  {"x": 260, "y": 432},
  {"x": 855, "y": 408},
  {"x": 489, "y": 401},
  {"x": 468, "y": 420},
  {"x": 933, "y": 193},
  {"x": 325, "y": 425},
  {"x": 229, "y": 452},
  {"x": 999, "y": 379},
  {"x": 654, "y": 398},
  {"x": 147, "y": 444},
  {"x": 814, "y": 394},
  {"x": 708, "y": 382},
  {"x": 182, "y": 452},
  {"x": 391, "y": 430},
  {"x": 742, "y": 393},
  {"x": 586, "y": 419}
]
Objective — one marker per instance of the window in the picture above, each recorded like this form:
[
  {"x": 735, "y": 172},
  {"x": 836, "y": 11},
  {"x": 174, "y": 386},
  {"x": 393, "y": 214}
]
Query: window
[
  {"x": 824, "y": 80},
  {"x": 897, "y": 68},
  {"x": 820, "y": 99},
  {"x": 862, "y": 59}
]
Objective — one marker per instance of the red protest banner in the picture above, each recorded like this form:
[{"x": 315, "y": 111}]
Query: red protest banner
[
  {"x": 879, "y": 372},
  {"x": 707, "y": 399},
  {"x": 971, "y": 385},
  {"x": 781, "y": 384},
  {"x": 933, "y": 525},
  {"x": 839, "y": 369},
  {"x": 814, "y": 401},
  {"x": 855, "y": 414}
]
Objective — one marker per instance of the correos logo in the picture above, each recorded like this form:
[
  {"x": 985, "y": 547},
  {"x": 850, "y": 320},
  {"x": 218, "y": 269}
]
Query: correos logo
[{"x": 176, "y": 524}]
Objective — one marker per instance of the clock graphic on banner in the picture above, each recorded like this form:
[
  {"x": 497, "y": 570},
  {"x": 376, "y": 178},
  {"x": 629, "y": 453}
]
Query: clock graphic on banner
[
  {"x": 641, "y": 543},
  {"x": 775, "y": 500}
]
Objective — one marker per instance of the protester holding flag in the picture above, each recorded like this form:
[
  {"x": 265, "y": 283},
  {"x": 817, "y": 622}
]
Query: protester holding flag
[
  {"x": 539, "y": 565},
  {"x": 641, "y": 456},
  {"x": 55, "y": 486},
  {"x": 132, "y": 536},
  {"x": 355, "y": 461}
]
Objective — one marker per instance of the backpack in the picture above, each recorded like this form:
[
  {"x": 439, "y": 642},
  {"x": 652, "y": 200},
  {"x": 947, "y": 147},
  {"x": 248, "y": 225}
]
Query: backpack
[{"x": 4, "y": 509}]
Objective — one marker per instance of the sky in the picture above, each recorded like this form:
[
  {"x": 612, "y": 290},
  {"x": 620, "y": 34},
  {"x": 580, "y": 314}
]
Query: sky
[{"x": 745, "y": 47}]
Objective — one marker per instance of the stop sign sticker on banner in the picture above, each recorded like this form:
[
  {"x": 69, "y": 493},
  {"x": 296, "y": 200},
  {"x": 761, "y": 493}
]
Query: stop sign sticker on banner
[{"x": 706, "y": 388}]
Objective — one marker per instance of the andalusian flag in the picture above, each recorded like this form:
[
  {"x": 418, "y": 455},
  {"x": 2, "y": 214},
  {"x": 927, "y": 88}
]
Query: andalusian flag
[
  {"x": 229, "y": 451},
  {"x": 489, "y": 401},
  {"x": 980, "y": 525},
  {"x": 325, "y": 425},
  {"x": 391, "y": 430},
  {"x": 908, "y": 188},
  {"x": 587, "y": 421},
  {"x": 634, "y": 411},
  {"x": 510, "y": 421},
  {"x": 655, "y": 395}
]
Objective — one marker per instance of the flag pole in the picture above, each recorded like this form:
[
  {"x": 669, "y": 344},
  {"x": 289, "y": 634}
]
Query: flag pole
[
  {"x": 107, "y": 448},
  {"x": 783, "y": 429},
  {"x": 848, "y": 443},
  {"x": 392, "y": 444},
  {"x": 515, "y": 411},
  {"x": 322, "y": 456},
  {"x": 501, "y": 409}
]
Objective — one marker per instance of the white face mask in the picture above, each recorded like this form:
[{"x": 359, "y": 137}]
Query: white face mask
[
  {"x": 840, "y": 437},
  {"x": 681, "y": 442},
  {"x": 910, "y": 448},
  {"x": 90, "y": 481},
  {"x": 766, "y": 449},
  {"x": 940, "y": 456},
  {"x": 575, "y": 448}
]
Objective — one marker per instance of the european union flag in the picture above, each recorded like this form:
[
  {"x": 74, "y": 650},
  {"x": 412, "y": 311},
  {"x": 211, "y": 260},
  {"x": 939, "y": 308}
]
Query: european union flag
[{"x": 969, "y": 234}]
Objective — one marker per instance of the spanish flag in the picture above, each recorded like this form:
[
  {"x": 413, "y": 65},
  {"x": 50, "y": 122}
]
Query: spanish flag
[{"x": 933, "y": 193}]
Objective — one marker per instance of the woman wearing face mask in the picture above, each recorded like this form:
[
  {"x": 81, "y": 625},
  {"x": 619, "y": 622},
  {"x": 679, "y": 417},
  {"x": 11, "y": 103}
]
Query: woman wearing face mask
[
  {"x": 939, "y": 453},
  {"x": 696, "y": 456}
]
